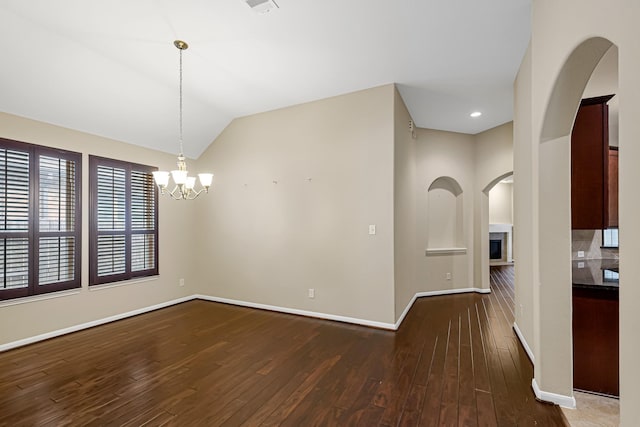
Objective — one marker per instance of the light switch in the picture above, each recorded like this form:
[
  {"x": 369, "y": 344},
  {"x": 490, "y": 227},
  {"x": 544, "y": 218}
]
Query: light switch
[
  {"x": 580, "y": 254},
  {"x": 372, "y": 229},
  {"x": 581, "y": 264}
]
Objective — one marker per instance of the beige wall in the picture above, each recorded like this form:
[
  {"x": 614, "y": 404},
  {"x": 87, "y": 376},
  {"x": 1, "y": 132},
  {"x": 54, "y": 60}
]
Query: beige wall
[
  {"x": 31, "y": 317},
  {"x": 404, "y": 207},
  {"x": 501, "y": 203},
  {"x": 294, "y": 194},
  {"x": 559, "y": 33},
  {"x": 525, "y": 215},
  {"x": 451, "y": 155}
]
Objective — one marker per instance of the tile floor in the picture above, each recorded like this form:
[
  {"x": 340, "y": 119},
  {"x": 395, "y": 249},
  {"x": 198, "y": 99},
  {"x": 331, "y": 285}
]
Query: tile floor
[{"x": 593, "y": 411}]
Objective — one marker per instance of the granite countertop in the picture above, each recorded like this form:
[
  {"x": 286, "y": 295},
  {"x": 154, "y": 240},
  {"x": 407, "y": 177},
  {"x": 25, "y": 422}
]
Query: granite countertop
[{"x": 596, "y": 273}]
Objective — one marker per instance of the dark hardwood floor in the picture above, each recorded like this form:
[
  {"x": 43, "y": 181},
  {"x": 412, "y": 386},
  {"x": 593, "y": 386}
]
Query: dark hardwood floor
[{"x": 454, "y": 361}]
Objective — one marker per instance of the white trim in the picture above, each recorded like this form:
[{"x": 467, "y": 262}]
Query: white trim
[
  {"x": 41, "y": 297},
  {"x": 452, "y": 291},
  {"x": 353, "y": 320},
  {"x": 524, "y": 343},
  {"x": 135, "y": 281},
  {"x": 435, "y": 294},
  {"x": 559, "y": 399},
  {"x": 75, "y": 328},
  {"x": 405, "y": 312},
  {"x": 318, "y": 315},
  {"x": 445, "y": 251}
]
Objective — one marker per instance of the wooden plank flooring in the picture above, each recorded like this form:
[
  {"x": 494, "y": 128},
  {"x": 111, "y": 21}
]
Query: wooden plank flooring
[{"x": 454, "y": 361}]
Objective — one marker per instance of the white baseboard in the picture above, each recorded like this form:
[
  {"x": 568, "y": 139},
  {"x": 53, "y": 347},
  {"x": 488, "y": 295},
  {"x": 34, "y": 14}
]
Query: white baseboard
[
  {"x": 524, "y": 343},
  {"x": 354, "y": 320},
  {"x": 76, "y": 328},
  {"x": 434, "y": 294},
  {"x": 372, "y": 323},
  {"x": 405, "y": 312},
  {"x": 453, "y": 291},
  {"x": 345, "y": 319},
  {"x": 559, "y": 399}
]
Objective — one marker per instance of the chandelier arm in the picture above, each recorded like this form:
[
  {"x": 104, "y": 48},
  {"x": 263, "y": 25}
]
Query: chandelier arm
[{"x": 173, "y": 192}]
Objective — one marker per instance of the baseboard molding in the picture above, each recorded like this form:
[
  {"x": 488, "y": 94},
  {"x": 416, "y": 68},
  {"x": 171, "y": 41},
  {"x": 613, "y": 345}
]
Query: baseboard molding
[
  {"x": 435, "y": 294},
  {"x": 405, "y": 312},
  {"x": 559, "y": 399},
  {"x": 524, "y": 343},
  {"x": 76, "y": 328},
  {"x": 345, "y": 319},
  {"x": 318, "y": 315},
  {"x": 453, "y": 291}
]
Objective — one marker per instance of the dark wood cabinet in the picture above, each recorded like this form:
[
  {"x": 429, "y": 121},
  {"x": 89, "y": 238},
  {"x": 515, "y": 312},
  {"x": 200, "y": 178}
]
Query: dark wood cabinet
[
  {"x": 595, "y": 340},
  {"x": 590, "y": 165}
]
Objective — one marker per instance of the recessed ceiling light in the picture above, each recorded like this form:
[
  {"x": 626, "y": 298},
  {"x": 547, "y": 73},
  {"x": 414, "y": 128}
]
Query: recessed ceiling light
[{"x": 476, "y": 114}]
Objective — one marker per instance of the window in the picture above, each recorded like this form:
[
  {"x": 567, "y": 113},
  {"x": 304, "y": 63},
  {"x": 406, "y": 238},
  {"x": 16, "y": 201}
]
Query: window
[
  {"x": 40, "y": 219},
  {"x": 610, "y": 238},
  {"x": 123, "y": 221}
]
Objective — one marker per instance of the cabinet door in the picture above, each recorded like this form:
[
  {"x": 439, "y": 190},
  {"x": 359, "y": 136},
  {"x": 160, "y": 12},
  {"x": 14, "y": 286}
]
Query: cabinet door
[{"x": 590, "y": 165}]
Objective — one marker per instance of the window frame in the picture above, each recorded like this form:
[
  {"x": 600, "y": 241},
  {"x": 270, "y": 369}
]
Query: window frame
[
  {"x": 94, "y": 280},
  {"x": 33, "y": 233}
]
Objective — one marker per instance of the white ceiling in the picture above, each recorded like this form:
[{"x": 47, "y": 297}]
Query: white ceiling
[{"x": 110, "y": 68}]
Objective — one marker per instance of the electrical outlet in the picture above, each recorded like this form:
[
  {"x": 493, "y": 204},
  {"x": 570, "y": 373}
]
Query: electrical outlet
[
  {"x": 448, "y": 276},
  {"x": 181, "y": 283},
  {"x": 312, "y": 293}
]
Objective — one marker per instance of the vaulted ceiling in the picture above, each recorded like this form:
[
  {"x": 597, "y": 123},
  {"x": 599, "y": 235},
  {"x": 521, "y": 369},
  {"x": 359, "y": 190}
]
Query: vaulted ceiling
[{"x": 110, "y": 67}]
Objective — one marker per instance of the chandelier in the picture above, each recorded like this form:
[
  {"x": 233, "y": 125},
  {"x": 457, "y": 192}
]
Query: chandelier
[{"x": 184, "y": 188}]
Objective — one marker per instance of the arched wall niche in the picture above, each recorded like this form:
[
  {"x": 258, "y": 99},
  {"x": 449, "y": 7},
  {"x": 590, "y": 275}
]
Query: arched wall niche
[{"x": 445, "y": 214}]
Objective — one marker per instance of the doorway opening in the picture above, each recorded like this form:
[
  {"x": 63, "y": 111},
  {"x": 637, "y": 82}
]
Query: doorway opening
[
  {"x": 556, "y": 336},
  {"x": 594, "y": 233},
  {"x": 501, "y": 222}
]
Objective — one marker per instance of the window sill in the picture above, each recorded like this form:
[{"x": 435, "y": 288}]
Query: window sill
[
  {"x": 42, "y": 297},
  {"x": 445, "y": 251},
  {"x": 105, "y": 286}
]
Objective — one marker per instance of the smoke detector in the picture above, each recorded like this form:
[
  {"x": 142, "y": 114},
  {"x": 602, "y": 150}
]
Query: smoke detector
[{"x": 262, "y": 6}]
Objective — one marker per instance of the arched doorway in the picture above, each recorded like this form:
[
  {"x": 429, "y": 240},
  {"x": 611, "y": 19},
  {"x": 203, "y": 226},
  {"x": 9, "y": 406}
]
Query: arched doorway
[
  {"x": 485, "y": 228},
  {"x": 553, "y": 293}
]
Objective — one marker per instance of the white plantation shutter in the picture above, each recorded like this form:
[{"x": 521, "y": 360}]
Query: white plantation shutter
[
  {"x": 142, "y": 221},
  {"x": 111, "y": 210},
  {"x": 14, "y": 219},
  {"x": 39, "y": 236},
  {"x": 123, "y": 221},
  {"x": 56, "y": 259},
  {"x": 56, "y": 220}
]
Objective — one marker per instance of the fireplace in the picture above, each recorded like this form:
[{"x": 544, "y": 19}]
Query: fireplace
[
  {"x": 495, "y": 249},
  {"x": 500, "y": 244}
]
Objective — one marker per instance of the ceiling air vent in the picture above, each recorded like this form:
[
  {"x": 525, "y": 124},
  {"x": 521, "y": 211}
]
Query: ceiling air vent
[{"x": 262, "y": 6}]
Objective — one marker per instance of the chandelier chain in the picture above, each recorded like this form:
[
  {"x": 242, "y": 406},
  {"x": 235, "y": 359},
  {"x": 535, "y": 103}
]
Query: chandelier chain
[{"x": 181, "y": 150}]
